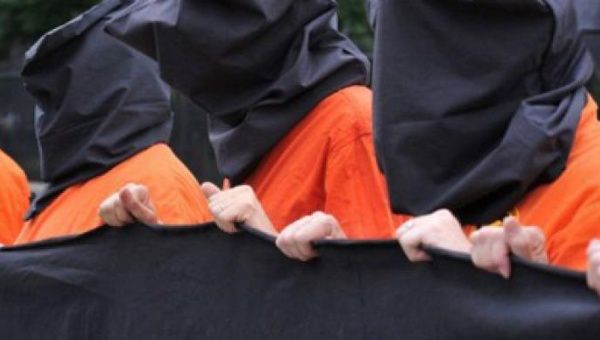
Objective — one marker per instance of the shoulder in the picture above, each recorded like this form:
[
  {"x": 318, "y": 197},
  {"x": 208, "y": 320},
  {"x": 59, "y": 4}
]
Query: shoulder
[{"x": 350, "y": 112}]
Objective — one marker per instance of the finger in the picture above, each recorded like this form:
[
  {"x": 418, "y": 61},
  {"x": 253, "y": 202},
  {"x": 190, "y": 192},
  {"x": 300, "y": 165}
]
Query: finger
[
  {"x": 106, "y": 212},
  {"x": 122, "y": 217},
  {"x": 594, "y": 246},
  {"x": 593, "y": 271},
  {"x": 226, "y": 183},
  {"x": 209, "y": 189},
  {"x": 225, "y": 225},
  {"x": 294, "y": 247},
  {"x": 319, "y": 226},
  {"x": 490, "y": 252},
  {"x": 133, "y": 202},
  {"x": 217, "y": 209},
  {"x": 285, "y": 240},
  {"x": 411, "y": 241}
]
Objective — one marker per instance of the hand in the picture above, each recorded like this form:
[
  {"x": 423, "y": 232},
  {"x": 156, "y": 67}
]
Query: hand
[
  {"x": 131, "y": 203},
  {"x": 492, "y": 246},
  {"x": 593, "y": 270},
  {"x": 295, "y": 241},
  {"x": 440, "y": 229},
  {"x": 236, "y": 205}
]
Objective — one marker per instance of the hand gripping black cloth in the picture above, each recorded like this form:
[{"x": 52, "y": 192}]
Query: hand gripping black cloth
[
  {"x": 475, "y": 102},
  {"x": 199, "y": 283},
  {"x": 256, "y": 67},
  {"x": 99, "y": 102}
]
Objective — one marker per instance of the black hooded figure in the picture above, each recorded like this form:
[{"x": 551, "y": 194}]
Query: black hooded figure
[
  {"x": 99, "y": 102},
  {"x": 257, "y": 67},
  {"x": 476, "y": 101}
]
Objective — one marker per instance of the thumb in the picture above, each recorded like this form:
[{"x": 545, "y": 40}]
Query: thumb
[{"x": 209, "y": 189}]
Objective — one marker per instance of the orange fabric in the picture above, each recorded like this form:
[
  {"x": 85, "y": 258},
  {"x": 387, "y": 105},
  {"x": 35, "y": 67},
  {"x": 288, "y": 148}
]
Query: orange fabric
[
  {"x": 327, "y": 162},
  {"x": 568, "y": 209},
  {"x": 14, "y": 199},
  {"x": 174, "y": 190}
]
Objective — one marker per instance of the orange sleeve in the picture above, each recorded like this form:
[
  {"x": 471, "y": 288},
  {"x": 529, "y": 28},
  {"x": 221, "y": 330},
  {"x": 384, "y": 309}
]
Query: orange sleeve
[
  {"x": 355, "y": 190},
  {"x": 568, "y": 209},
  {"x": 14, "y": 199}
]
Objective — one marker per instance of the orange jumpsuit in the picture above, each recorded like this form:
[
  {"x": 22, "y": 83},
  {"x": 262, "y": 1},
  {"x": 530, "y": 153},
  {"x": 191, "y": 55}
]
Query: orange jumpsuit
[
  {"x": 174, "y": 191},
  {"x": 14, "y": 199},
  {"x": 327, "y": 162},
  {"x": 568, "y": 209}
]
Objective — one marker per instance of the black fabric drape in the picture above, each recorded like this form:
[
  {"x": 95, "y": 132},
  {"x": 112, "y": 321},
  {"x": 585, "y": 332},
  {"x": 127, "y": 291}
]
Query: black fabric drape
[
  {"x": 476, "y": 102},
  {"x": 98, "y": 101},
  {"x": 190, "y": 283},
  {"x": 588, "y": 14},
  {"x": 255, "y": 66}
]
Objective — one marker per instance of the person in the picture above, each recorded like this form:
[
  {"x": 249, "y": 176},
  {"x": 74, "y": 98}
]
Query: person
[
  {"x": 103, "y": 118},
  {"x": 289, "y": 114},
  {"x": 14, "y": 199},
  {"x": 492, "y": 133}
]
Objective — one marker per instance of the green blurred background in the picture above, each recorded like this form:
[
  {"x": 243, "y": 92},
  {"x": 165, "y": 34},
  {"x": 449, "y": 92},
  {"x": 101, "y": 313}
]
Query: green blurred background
[{"x": 22, "y": 21}]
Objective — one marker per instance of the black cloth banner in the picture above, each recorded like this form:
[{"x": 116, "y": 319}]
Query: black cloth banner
[{"x": 190, "y": 283}]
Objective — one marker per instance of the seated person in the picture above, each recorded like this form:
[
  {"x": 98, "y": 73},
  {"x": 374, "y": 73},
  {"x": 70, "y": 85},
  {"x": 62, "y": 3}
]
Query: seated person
[
  {"x": 289, "y": 114},
  {"x": 103, "y": 120},
  {"x": 14, "y": 199}
]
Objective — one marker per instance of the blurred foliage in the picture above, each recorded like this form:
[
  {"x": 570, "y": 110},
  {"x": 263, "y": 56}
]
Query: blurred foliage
[
  {"x": 353, "y": 22},
  {"x": 23, "y": 21}
]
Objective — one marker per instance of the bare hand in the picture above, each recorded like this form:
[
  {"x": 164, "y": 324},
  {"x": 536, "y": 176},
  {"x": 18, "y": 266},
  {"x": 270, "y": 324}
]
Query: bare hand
[
  {"x": 440, "y": 229},
  {"x": 131, "y": 203},
  {"x": 593, "y": 270},
  {"x": 295, "y": 241},
  {"x": 236, "y": 205},
  {"x": 492, "y": 246}
]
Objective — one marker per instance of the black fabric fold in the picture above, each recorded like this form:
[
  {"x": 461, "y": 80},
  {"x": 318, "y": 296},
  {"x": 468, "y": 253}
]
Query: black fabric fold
[
  {"x": 256, "y": 67},
  {"x": 476, "y": 102},
  {"x": 197, "y": 282},
  {"x": 588, "y": 15},
  {"x": 98, "y": 101}
]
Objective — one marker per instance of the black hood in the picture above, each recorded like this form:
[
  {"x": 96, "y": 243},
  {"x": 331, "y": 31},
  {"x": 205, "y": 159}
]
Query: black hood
[
  {"x": 476, "y": 102},
  {"x": 98, "y": 101},
  {"x": 588, "y": 13},
  {"x": 255, "y": 66}
]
